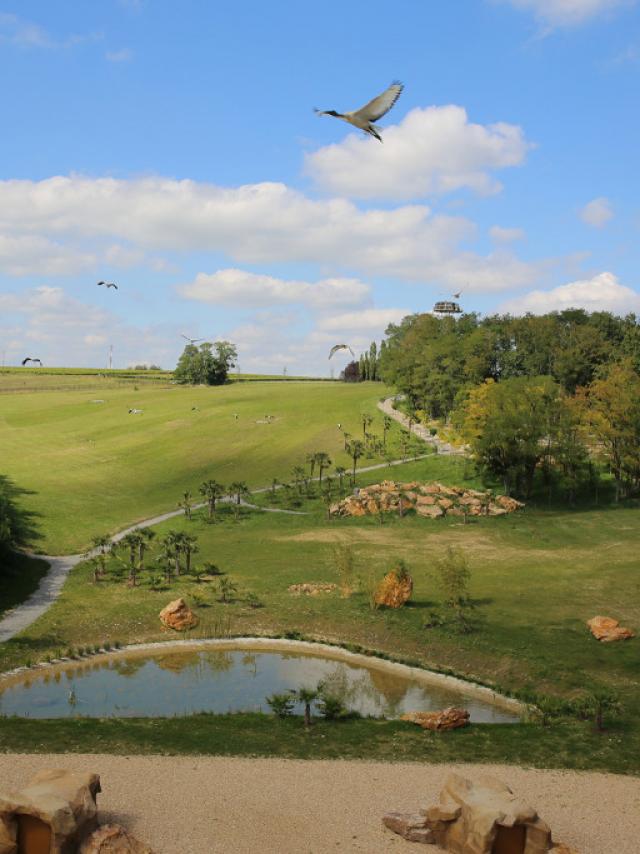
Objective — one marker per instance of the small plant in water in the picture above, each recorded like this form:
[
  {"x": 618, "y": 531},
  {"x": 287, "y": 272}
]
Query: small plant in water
[{"x": 281, "y": 704}]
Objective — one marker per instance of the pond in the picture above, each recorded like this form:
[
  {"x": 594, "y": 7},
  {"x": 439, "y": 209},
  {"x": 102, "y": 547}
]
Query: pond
[{"x": 183, "y": 681}]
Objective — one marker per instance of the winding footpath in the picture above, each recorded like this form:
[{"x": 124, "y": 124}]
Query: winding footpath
[
  {"x": 22, "y": 616},
  {"x": 418, "y": 430}
]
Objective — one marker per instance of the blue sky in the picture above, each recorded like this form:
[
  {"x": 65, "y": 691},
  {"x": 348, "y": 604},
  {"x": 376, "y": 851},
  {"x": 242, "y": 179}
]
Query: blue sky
[{"x": 172, "y": 148}]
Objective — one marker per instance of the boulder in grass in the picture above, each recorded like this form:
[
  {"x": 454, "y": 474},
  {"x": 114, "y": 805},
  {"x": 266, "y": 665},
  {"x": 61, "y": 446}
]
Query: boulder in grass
[
  {"x": 451, "y": 718},
  {"x": 606, "y": 629},
  {"x": 178, "y": 616}
]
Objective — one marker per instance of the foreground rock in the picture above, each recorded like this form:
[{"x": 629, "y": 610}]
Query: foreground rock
[
  {"x": 113, "y": 839},
  {"x": 606, "y": 629},
  {"x": 431, "y": 500},
  {"x": 476, "y": 817},
  {"x": 395, "y": 589},
  {"x": 56, "y": 810},
  {"x": 177, "y": 615},
  {"x": 450, "y": 718}
]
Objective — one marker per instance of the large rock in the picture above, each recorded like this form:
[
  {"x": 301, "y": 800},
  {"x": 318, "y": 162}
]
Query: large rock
[
  {"x": 411, "y": 826},
  {"x": 394, "y": 591},
  {"x": 113, "y": 839},
  {"x": 177, "y": 615},
  {"x": 450, "y": 718},
  {"x": 606, "y": 629},
  {"x": 479, "y": 817},
  {"x": 57, "y": 804},
  {"x": 431, "y": 511}
]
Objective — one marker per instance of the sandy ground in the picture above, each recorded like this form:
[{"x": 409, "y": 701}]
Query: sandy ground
[{"x": 211, "y": 805}]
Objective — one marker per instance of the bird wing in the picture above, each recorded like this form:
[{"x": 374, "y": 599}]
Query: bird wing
[
  {"x": 337, "y": 347},
  {"x": 380, "y": 105},
  {"x": 100, "y": 283},
  {"x": 112, "y": 285},
  {"x": 24, "y": 361}
]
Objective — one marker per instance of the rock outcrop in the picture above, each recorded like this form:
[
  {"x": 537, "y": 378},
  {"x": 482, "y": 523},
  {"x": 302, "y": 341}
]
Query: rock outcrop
[
  {"x": 113, "y": 839},
  {"x": 606, "y": 629},
  {"x": 177, "y": 615},
  {"x": 450, "y": 718},
  {"x": 311, "y": 588},
  {"x": 481, "y": 816},
  {"x": 394, "y": 590},
  {"x": 431, "y": 500},
  {"x": 57, "y": 807}
]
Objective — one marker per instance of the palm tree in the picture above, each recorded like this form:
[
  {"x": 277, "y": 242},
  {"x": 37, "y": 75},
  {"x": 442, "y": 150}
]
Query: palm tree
[
  {"x": 299, "y": 477},
  {"x": 186, "y": 504},
  {"x": 306, "y": 696},
  {"x": 146, "y": 535},
  {"x": 347, "y": 439},
  {"x": 240, "y": 491},
  {"x": 355, "y": 451},
  {"x": 404, "y": 445},
  {"x": 166, "y": 557},
  {"x": 211, "y": 490},
  {"x": 132, "y": 542},
  {"x": 386, "y": 425},
  {"x": 323, "y": 461},
  {"x": 340, "y": 472},
  {"x": 226, "y": 589},
  {"x": 173, "y": 541},
  {"x": 311, "y": 460},
  {"x": 275, "y": 483},
  {"x": 189, "y": 547},
  {"x": 366, "y": 421},
  {"x": 327, "y": 494},
  {"x": 103, "y": 546}
]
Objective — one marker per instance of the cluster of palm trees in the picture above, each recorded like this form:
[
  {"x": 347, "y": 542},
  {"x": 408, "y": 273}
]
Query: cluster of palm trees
[
  {"x": 212, "y": 491},
  {"x": 173, "y": 558}
]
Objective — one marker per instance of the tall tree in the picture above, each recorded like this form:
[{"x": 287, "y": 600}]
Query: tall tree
[
  {"x": 208, "y": 364},
  {"x": 240, "y": 492},
  {"x": 355, "y": 450},
  {"x": 212, "y": 492},
  {"x": 323, "y": 461}
]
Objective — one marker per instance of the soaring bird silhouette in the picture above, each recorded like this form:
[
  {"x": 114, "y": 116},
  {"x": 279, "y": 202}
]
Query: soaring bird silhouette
[
  {"x": 108, "y": 285},
  {"x": 29, "y": 359},
  {"x": 337, "y": 347},
  {"x": 365, "y": 117},
  {"x": 458, "y": 295},
  {"x": 191, "y": 340}
]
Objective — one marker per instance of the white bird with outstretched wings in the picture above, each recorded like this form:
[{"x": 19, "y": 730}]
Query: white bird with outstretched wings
[
  {"x": 337, "y": 347},
  {"x": 365, "y": 117}
]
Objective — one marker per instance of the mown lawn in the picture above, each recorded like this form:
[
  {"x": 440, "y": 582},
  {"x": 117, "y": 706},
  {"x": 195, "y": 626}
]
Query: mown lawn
[
  {"x": 93, "y": 468},
  {"x": 537, "y": 576}
]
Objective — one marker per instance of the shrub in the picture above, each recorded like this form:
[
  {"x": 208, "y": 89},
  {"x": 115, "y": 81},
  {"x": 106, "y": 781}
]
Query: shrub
[
  {"x": 281, "y": 704},
  {"x": 253, "y": 601},
  {"x": 331, "y": 707}
]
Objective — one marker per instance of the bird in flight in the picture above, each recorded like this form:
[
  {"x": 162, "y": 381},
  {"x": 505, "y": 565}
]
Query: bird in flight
[
  {"x": 365, "y": 117},
  {"x": 191, "y": 340},
  {"x": 29, "y": 359},
  {"x": 458, "y": 295},
  {"x": 108, "y": 285},
  {"x": 337, "y": 347}
]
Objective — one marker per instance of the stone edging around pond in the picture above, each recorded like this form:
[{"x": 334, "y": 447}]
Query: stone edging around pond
[{"x": 419, "y": 674}]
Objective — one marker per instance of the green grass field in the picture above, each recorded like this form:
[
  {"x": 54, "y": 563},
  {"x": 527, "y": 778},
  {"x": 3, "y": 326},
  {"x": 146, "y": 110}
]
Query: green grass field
[
  {"x": 93, "y": 468},
  {"x": 537, "y": 576}
]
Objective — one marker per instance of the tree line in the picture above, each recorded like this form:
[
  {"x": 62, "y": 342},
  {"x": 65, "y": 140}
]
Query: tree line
[{"x": 554, "y": 394}]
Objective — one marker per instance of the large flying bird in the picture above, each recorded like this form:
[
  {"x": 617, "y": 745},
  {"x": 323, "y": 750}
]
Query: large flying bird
[
  {"x": 108, "y": 285},
  {"x": 337, "y": 347},
  {"x": 365, "y": 117},
  {"x": 191, "y": 340},
  {"x": 29, "y": 359}
]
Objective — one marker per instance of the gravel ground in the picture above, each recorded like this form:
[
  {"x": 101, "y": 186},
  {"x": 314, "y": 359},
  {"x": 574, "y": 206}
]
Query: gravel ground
[{"x": 217, "y": 805}]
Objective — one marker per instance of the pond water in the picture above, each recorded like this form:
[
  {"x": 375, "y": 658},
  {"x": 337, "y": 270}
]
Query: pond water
[{"x": 181, "y": 682}]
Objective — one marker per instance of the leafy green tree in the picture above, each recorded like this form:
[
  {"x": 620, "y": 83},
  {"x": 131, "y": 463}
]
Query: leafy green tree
[
  {"x": 208, "y": 364},
  {"x": 454, "y": 576},
  {"x": 212, "y": 492}
]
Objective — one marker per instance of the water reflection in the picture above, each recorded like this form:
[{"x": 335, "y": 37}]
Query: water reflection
[{"x": 183, "y": 682}]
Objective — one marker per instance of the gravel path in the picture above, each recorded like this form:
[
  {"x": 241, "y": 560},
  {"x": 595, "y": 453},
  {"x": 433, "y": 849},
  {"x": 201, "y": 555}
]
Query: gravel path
[
  {"x": 217, "y": 805},
  {"x": 418, "y": 430}
]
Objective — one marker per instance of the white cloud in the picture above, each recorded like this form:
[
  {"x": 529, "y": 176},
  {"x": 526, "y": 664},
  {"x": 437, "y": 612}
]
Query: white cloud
[
  {"x": 250, "y": 290},
  {"x": 505, "y": 235},
  {"x": 123, "y": 55},
  {"x": 600, "y": 293},
  {"x": 26, "y": 34},
  {"x": 25, "y": 255},
  {"x": 597, "y": 212},
  {"x": 559, "y": 13},
  {"x": 372, "y": 320},
  {"x": 258, "y": 223},
  {"x": 433, "y": 150}
]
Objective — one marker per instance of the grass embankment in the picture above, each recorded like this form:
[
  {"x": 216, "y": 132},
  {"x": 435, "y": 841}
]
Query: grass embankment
[
  {"x": 94, "y": 468},
  {"x": 537, "y": 576}
]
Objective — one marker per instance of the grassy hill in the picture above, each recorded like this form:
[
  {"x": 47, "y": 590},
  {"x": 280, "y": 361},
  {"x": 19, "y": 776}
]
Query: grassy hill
[{"x": 92, "y": 468}]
